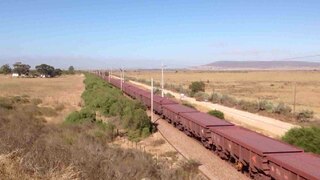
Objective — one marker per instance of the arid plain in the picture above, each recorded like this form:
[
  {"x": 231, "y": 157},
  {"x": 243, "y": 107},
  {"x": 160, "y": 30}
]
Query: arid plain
[{"x": 274, "y": 86}]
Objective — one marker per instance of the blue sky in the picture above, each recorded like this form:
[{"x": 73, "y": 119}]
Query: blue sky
[{"x": 91, "y": 34}]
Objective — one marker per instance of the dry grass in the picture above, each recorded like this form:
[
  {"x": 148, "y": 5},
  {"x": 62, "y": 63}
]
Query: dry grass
[
  {"x": 62, "y": 93},
  {"x": 275, "y": 86}
]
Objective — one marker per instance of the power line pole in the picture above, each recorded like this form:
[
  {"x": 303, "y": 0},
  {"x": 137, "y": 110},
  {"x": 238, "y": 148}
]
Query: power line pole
[
  {"x": 151, "y": 109},
  {"x": 121, "y": 78},
  {"x": 109, "y": 75},
  {"x": 162, "y": 83},
  {"x": 294, "y": 97}
]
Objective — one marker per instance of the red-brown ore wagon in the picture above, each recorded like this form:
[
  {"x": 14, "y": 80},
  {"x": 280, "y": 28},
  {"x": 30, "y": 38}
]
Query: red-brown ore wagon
[
  {"x": 172, "y": 113},
  {"x": 294, "y": 166},
  {"x": 197, "y": 124},
  {"x": 248, "y": 149},
  {"x": 158, "y": 102}
]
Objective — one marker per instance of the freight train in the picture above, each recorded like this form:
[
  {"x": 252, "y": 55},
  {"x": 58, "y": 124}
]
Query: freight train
[{"x": 259, "y": 156}]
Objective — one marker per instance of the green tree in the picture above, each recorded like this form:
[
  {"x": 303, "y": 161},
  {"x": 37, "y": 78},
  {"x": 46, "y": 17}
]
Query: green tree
[
  {"x": 5, "y": 69},
  {"x": 20, "y": 68},
  {"x": 57, "y": 72},
  {"x": 196, "y": 86},
  {"x": 46, "y": 70},
  {"x": 71, "y": 70}
]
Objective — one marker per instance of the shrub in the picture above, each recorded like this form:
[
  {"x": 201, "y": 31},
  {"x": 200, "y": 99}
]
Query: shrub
[
  {"x": 248, "y": 106},
  {"x": 197, "y": 86},
  {"x": 216, "y": 113},
  {"x": 81, "y": 116},
  {"x": 307, "y": 138},
  {"x": 281, "y": 108},
  {"x": 109, "y": 101},
  {"x": 228, "y": 100},
  {"x": 304, "y": 115},
  {"x": 264, "y": 105},
  {"x": 185, "y": 103},
  {"x": 201, "y": 96},
  {"x": 215, "y": 98}
]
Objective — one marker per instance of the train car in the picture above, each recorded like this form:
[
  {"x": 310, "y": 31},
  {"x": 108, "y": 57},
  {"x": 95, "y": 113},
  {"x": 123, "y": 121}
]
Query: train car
[
  {"x": 172, "y": 113},
  {"x": 197, "y": 124},
  {"x": 294, "y": 166},
  {"x": 248, "y": 149},
  {"x": 158, "y": 102}
]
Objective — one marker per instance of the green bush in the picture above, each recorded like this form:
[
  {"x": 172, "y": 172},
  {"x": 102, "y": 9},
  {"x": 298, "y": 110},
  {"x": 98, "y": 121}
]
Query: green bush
[
  {"x": 216, "y": 113},
  {"x": 197, "y": 86},
  {"x": 109, "y": 101},
  {"x": 81, "y": 116},
  {"x": 307, "y": 138}
]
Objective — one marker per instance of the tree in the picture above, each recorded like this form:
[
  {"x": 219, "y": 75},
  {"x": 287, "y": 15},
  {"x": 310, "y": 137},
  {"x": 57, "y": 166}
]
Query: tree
[
  {"x": 46, "y": 70},
  {"x": 196, "y": 87},
  {"x": 20, "y": 68},
  {"x": 71, "y": 70},
  {"x": 5, "y": 69},
  {"x": 58, "y": 72}
]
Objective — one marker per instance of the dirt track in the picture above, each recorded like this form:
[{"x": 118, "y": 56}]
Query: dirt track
[{"x": 265, "y": 125}]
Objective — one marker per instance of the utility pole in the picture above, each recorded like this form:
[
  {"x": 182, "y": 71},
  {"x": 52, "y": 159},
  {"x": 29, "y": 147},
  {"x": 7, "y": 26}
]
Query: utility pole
[
  {"x": 109, "y": 75},
  {"x": 121, "y": 78},
  {"x": 294, "y": 97},
  {"x": 151, "y": 109},
  {"x": 162, "y": 83},
  {"x": 122, "y": 74}
]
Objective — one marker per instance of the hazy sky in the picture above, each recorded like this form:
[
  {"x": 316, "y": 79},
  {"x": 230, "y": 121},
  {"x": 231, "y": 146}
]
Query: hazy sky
[{"x": 91, "y": 34}]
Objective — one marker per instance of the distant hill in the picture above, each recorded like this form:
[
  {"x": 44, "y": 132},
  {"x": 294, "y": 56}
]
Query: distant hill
[{"x": 260, "y": 65}]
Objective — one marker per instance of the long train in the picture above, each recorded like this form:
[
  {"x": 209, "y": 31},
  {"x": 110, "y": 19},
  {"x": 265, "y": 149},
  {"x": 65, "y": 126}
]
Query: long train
[{"x": 252, "y": 153}]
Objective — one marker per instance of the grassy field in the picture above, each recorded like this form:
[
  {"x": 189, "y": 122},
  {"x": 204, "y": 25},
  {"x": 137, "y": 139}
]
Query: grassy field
[
  {"x": 275, "y": 86},
  {"x": 63, "y": 93},
  {"x": 31, "y": 148}
]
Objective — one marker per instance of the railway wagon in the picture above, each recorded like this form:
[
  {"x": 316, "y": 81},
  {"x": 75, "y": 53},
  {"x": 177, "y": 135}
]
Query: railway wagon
[
  {"x": 131, "y": 90},
  {"x": 158, "y": 102},
  {"x": 115, "y": 82},
  {"x": 294, "y": 166},
  {"x": 197, "y": 124},
  {"x": 248, "y": 149},
  {"x": 172, "y": 113}
]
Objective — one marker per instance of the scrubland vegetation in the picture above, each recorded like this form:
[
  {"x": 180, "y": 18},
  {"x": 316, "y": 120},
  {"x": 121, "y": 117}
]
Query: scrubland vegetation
[
  {"x": 307, "y": 138},
  {"x": 279, "y": 110},
  {"x": 250, "y": 87},
  {"x": 109, "y": 101},
  {"x": 80, "y": 147}
]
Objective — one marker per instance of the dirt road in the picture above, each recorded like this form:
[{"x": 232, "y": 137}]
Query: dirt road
[{"x": 264, "y": 125}]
